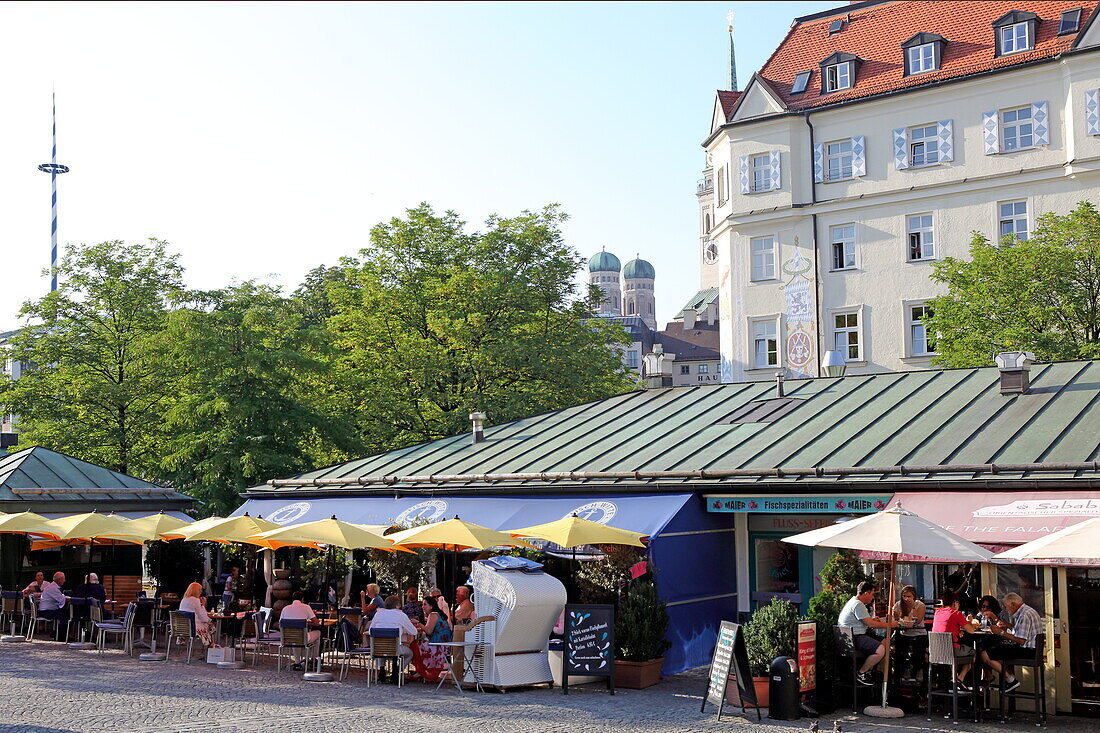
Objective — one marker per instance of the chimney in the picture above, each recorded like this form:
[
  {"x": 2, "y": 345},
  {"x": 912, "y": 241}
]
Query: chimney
[
  {"x": 1014, "y": 367},
  {"x": 478, "y": 420},
  {"x": 779, "y": 384},
  {"x": 690, "y": 315}
]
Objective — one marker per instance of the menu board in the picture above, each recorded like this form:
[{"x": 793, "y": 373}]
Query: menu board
[
  {"x": 729, "y": 678},
  {"x": 807, "y": 655},
  {"x": 589, "y": 637}
]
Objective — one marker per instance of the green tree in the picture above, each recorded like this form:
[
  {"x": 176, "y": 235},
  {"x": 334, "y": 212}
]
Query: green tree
[
  {"x": 1041, "y": 294},
  {"x": 242, "y": 415},
  {"x": 434, "y": 322},
  {"x": 96, "y": 384}
]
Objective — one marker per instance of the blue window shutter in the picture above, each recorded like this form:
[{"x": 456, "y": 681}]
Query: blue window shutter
[
  {"x": 945, "y": 141},
  {"x": 744, "y": 174},
  {"x": 775, "y": 170},
  {"x": 1092, "y": 112},
  {"x": 901, "y": 155},
  {"x": 1041, "y": 120},
  {"x": 859, "y": 160},
  {"x": 819, "y": 162},
  {"x": 991, "y": 132}
]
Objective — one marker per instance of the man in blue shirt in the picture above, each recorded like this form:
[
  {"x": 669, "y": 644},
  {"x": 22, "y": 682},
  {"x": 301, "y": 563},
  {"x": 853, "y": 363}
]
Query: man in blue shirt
[
  {"x": 855, "y": 615},
  {"x": 52, "y": 602}
]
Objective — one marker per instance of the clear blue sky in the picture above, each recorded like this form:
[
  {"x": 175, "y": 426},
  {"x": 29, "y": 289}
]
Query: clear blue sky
[{"x": 261, "y": 140}]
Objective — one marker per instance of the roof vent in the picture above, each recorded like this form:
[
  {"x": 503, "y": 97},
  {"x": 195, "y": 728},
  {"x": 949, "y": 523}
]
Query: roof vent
[
  {"x": 1015, "y": 366},
  {"x": 478, "y": 420}
]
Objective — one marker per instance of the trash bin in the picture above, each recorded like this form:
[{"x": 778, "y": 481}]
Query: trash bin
[{"x": 784, "y": 703}]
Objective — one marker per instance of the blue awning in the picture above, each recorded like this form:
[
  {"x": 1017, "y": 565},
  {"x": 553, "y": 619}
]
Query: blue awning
[{"x": 645, "y": 514}]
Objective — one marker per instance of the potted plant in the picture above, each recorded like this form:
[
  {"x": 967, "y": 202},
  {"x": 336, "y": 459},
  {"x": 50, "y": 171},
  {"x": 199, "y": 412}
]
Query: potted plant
[
  {"x": 640, "y": 626},
  {"x": 769, "y": 634}
]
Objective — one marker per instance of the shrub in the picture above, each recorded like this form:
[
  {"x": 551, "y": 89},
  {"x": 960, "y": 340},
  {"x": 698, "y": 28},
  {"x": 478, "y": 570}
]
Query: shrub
[
  {"x": 770, "y": 634},
  {"x": 839, "y": 577},
  {"x": 640, "y": 625}
]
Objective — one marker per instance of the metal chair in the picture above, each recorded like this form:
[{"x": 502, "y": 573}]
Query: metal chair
[
  {"x": 123, "y": 628},
  {"x": 33, "y": 619},
  {"x": 1038, "y": 681},
  {"x": 260, "y": 635},
  {"x": 347, "y": 650},
  {"x": 294, "y": 635},
  {"x": 850, "y": 657},
  {"x": 941, "y": 653},
  {"x": 12, "y": 610},
  {"x": 385, "y": 645},
  {"x": 181, "y": 625},
  {"x": 79, "y": 615}
]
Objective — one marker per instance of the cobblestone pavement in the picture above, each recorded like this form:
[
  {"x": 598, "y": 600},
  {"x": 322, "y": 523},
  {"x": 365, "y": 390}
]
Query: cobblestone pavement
[{"x": 47, "y": 687}]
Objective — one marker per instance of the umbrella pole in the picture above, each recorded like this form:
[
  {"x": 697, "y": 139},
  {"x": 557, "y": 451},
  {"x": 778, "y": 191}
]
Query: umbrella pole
[{"x": 885, "y": 711}]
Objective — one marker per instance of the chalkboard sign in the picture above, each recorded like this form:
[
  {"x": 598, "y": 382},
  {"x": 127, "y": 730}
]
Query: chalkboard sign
[
  {"x": 729, "y": 677},
  {"x": 589, "y": 637}
]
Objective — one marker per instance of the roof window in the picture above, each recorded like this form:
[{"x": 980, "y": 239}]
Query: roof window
[
  {"x": 801, "y": 79},
  {"x": 761, "y": 411},
  {"x": 836, "y": 26},
  {"x": 1015, "y": 32},
  {"x": 1070, "y": 22}
]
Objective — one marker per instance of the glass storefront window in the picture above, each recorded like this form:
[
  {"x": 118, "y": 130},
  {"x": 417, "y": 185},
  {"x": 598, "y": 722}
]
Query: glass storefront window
[
  {"x": 1027, "y": 580},
  {"x": 776, "y": 566}
]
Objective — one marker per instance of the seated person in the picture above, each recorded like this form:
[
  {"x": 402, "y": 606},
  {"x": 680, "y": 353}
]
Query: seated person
[
  {"x": 370, "y": 600},
  {"x": 392, "y": 617},
  {"x": 34, "y": 588},
  {"x": 52, "y": 602},
  {"x": 951, "y": 620},
  {"x": 855, "y": 615},
  {"x": 431, "y": 661},
  {"x": 91, "y": 588},
  {"x": 193, "y": 602},
  {"x": 300, "y": 610},
  {"x": 912, "y": 641},
  {"x": 413, "y": 607},
  {"x": 1017, "y": 639},
  {"x": 990, "y": 611},
  {"x": 443, "y": 605},
  {"x": 464, "y": 607}
]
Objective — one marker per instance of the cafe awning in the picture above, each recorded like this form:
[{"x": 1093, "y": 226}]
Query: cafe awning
[
  {"x": 645, "y": 514},
  {"x": 1002, "y": 517}
]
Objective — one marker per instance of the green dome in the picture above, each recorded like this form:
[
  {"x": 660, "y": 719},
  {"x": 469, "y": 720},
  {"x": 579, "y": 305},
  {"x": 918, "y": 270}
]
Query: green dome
[
  {"x": 604, "y": 262},
  {"x": 638, "y": 268}
]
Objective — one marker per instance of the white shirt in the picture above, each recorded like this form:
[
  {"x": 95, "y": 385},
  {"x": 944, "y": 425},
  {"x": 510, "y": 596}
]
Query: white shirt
[
  {"x": 191, "y": 604},
  {"x": 393, "y": 618},
  {"x": 298, "y": 610}
]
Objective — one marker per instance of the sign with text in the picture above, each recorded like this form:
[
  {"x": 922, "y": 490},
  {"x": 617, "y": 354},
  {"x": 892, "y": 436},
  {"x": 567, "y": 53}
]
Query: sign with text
[
  {"x": 729, "y": 679},
  {"x": 589, "y": 637},
  {"x": 854, "y": 503},
  {"x": 806, "y": 639}
]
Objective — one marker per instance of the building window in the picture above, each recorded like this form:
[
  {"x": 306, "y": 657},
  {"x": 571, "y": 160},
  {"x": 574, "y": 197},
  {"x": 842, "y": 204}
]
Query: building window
[
  {"x": 801, "y": 79},
  {"x": 762, "y": 252},
  {"x": 1069, "y": 21},
  {"x": 1012, "y": 219},
  {"x": 765, "y": 344},
  {"x": 846, "y": 336},
  {"x": 924, "y": 146},
  {"x": 838, "y": 76},
  {"x": 704, "y": 368},
  {"x": 1015, "y": 38},
  {"x": 843, "y": 244},
  {"x": 761, "y": 173},
  {"x": 1017, "y": 131},
  {"x": 921, "y": 240},
  {"x": 919, "y": 343},
  {"x": 721, "y": 186},
  {"x": 685, "y": 369},
  {"x": 631, "y": 359},
  {"x": 838, "y": 160},
  {"x": 921, "y": 58}
]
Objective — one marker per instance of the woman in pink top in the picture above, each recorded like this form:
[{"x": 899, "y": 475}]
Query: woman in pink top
[{"x": 951, "y": 619}]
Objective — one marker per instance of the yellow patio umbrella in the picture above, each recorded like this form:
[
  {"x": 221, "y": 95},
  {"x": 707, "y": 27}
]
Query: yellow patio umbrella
[
  {"x": 154, "y": 526},
  {"x": 233, "y": 529},
  {"x": 20, "y": 522},
  {"x": 178, "y": 534},
  {"x": 44, "y": 544},
  {"x": 87, "y": 526},
  {"x": 331, "y": 532},
  {"x": 574, "y": 531},
  {"x": 454, "y": 534}
]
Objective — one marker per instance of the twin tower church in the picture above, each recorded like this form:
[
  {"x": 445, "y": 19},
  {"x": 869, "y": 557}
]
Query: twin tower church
[{"x": 627, "y": 291}]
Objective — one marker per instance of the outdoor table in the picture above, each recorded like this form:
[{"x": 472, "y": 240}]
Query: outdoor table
[
  {"x": 235, "y": 629},
  {"x": 451, "y": 647},
  {"x": 325, "y": 625}
]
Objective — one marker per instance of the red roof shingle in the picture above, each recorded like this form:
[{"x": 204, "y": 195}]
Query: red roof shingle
[
  {"x": 875, "y": 35},
  {"x": 728, "y": 99}
]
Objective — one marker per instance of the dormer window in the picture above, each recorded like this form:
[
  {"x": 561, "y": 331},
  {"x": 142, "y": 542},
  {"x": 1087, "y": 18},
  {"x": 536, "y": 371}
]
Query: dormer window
[
  {"x": 923, "y": 53},
  {"x": 838, "y": 72},
  {"x": 1016, "y": 32}
]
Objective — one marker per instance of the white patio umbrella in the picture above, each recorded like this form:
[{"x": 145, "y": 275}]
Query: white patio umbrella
[
  {"x": 896, "y": 532},
  {"x": 1078, "y": 542}
]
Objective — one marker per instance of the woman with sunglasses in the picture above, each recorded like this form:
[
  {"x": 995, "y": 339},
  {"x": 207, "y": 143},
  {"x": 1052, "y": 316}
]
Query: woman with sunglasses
[{"x": 912, "y": 637}]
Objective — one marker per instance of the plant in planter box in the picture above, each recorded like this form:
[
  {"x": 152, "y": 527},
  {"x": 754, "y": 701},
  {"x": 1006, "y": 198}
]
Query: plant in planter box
[
  {"x": 770, "y": 634},
  {"x": 640, "y": 626}
]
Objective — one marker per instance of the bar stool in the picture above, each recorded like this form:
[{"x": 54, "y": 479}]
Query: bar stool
[
  {"x": 941, "y": 653},
  {"x": 1038, "y": 695},
  {"x": 850, "y": 657}
]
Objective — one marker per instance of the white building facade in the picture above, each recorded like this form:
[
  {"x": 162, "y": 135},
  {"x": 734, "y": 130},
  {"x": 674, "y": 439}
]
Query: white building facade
[{"x": 872, "y": 144}]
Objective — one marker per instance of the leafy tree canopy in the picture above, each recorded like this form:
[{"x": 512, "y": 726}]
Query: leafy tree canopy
[{"x": 1041, "y": 294}]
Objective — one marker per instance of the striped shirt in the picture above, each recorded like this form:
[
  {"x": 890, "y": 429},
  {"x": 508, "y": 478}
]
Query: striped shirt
[{"x": 1026, "y": 625}]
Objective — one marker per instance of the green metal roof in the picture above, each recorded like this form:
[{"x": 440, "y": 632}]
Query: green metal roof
[
  {"x": 639, "y": 268},
  {"x": 701, "y": 300},
  {"x": 27, "y": 476},
  {"x": 604, "y": 262},
  {"x": 912, "y": 419}
]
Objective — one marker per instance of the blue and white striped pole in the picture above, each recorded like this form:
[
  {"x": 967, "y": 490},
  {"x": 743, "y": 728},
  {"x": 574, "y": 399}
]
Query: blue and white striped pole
[{"x": 54, "y": 169}]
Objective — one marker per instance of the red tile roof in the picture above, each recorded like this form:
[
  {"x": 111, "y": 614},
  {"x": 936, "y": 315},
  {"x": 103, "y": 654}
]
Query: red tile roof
[
  {"x": 728, "y": 99},
  {"x": 875, "y": 35}
]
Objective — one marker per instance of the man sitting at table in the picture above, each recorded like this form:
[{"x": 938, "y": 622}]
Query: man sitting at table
[
  {"x": 1017, "y": 639},
  {"x": 52, "y": 603},
  {"x": 951, "y": 620},
  {"x": 300, "y": 610},
  {"x": 855, "y": 615},
  {"x": 392, "y": 617},
  {"x": 34, "y": 588}
]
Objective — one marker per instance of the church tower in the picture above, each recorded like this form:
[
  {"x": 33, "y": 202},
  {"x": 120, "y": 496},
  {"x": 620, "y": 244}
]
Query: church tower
[
  {"x": 639, "y": 299},
  {"x": 603, "y": 272}
]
